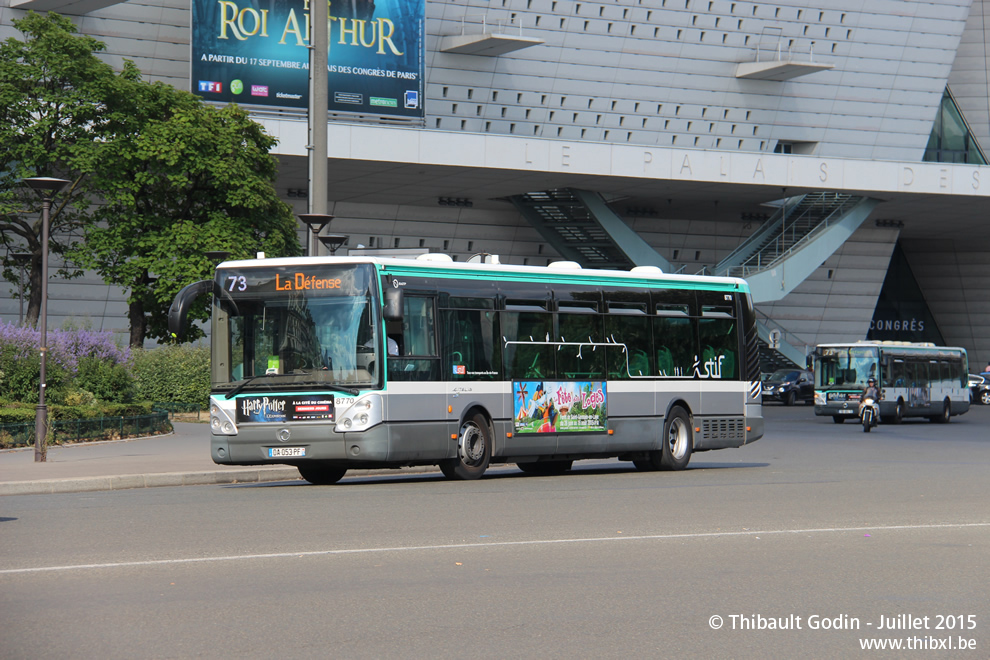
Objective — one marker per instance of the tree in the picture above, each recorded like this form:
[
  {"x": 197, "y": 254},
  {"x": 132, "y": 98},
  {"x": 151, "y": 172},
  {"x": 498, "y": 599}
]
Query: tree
[
  {"x": 185, "y": 178},
  {"x": 159, "y": 177},
  {"x": 55, "y": 114}
]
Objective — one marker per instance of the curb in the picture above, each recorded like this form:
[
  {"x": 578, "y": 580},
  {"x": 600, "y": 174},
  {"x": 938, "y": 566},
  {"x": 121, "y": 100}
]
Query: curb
[{"x": 156, "y": 480}]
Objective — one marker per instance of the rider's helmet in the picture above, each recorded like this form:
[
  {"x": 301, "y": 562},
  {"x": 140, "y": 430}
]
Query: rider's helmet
[{"x": 871, "y": 381}]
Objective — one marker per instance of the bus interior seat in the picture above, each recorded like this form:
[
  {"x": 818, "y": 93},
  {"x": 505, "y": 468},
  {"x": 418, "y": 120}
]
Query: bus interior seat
[{"x": 665, "y": 361}]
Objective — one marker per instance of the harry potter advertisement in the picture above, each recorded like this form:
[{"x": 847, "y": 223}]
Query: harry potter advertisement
[
  {"x": 559, "y": 406},
  {"x": 256, "y": 52}
]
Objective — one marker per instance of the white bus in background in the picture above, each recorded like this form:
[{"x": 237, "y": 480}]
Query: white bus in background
[{"x": 914, "y": 379}]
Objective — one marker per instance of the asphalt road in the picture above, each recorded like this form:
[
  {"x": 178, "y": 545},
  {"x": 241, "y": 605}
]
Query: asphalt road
[{"x": 816, "y": 525}]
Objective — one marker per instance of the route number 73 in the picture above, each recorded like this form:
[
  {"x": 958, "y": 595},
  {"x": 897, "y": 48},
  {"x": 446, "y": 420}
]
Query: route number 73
[{"x": 237, "y": 281}]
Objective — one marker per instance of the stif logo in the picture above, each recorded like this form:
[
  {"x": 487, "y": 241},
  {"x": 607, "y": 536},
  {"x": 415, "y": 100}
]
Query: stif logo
[
  {"x": 210, "y": 86},
  {"x": 459, "y": 370}
]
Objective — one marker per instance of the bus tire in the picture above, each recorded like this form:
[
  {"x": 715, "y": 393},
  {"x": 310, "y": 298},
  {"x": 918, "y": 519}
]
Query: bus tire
[
  {"x": 321, "y": 475},
  {"x": 838, "y": 419},
  {"x": 675, "y": 452},
  {"x": 644, "y": 465},
  {"x": 946, "y": 416},
  {"x": 545, "y": 468},
  {"x": 899, "y": 411},
  {"x": 474, "y": 450}
]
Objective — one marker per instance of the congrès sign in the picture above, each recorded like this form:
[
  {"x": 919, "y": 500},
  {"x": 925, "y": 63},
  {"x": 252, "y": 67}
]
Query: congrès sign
[{"x": 255, "y": 52}]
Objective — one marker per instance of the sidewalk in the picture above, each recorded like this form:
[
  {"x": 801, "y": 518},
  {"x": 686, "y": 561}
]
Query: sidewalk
[{"x": 181, "y": 458}]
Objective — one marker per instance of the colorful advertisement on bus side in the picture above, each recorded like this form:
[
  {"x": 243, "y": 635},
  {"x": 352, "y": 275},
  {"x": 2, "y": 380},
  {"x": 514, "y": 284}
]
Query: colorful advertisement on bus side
[
  {"x": 256, "y": 52},
  {"x": 549, "y": 406},
  {"x": 292, "y": 408}
]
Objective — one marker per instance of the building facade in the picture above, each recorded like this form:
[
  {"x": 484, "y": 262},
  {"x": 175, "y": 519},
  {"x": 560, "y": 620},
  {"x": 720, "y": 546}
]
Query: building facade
[{"x": 667, "y": 132}]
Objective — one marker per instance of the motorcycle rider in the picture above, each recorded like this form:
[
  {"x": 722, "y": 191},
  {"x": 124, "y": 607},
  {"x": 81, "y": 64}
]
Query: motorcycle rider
[{"x": 870, "y": 392}]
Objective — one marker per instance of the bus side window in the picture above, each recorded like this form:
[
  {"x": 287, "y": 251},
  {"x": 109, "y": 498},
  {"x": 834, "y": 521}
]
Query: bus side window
[
  {"x": 472, "y": 347},
  {"x": 719, "y": 346},
  {"x": 418, "y": 344},
  {"x": 527, "y": 350},
  {"x": 676, "y": 346},
  {"x": 631, "y": 356},
  {"x": 582, "y": 361}
]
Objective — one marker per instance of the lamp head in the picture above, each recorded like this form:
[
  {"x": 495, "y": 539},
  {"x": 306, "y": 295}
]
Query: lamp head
[{"x": 47, "y": 186}]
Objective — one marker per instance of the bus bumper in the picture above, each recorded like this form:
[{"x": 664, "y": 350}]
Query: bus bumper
[
  {"x": 424, "y": 443},
  {"x": 273, "y": 444}
]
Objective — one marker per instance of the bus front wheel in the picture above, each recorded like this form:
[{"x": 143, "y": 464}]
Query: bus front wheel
[
  {"x": 321, "y": 475},
  {"x": 474, "y": 451}
]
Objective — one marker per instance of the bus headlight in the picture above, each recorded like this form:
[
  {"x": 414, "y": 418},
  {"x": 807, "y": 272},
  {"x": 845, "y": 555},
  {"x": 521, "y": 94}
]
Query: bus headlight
[
  {"x": 221, "y": 421},
  {"x": 819, "y": 398},
  {"x": 361, "y": 415}
]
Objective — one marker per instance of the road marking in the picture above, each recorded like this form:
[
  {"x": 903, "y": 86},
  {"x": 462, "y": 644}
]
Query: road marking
[{"x": 493, "y": 544}]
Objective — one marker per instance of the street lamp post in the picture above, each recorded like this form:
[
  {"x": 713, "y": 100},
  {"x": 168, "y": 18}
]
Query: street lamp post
[{"x": 47, "y": 188}]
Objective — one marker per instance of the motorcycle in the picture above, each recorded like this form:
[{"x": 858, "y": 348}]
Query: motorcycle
[{"x": 869, "y": 414}]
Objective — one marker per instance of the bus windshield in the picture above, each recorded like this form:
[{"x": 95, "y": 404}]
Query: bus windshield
[
  {"x": 845, "y": 367},
  {"x": 289, "y": 326}
]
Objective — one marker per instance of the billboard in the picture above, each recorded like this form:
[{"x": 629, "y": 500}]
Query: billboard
[
  {"x": 559, "y": 406},
  {"x": 255, "y": 52}
]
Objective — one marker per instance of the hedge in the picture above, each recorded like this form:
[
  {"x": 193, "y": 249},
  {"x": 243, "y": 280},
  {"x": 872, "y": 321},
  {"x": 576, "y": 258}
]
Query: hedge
[{"x": 178, "y": 374}]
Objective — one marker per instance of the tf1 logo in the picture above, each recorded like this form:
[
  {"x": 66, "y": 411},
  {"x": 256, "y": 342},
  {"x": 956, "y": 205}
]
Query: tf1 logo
[{"x": 210, "y": 86}]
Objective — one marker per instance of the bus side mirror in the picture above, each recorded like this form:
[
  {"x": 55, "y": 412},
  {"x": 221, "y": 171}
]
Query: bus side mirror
[
  {"x": 180, "y": 306},
  {"x": 392, "y": 310}
]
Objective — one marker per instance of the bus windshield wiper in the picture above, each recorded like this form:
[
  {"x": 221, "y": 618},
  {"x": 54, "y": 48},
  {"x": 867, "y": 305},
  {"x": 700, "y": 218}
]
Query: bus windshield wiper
[
  {"x": 231, "y": 394},
  {"x": 337, "y": 386}
]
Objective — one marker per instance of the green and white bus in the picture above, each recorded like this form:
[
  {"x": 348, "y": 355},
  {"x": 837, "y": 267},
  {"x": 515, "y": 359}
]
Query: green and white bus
[
  {"x": 334, "y": 363},
  {"x": 914, "y": 379}
]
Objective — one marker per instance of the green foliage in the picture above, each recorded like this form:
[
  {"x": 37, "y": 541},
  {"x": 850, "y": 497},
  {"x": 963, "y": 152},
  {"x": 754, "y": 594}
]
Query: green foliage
[
  {"x": 188, "y": 177},
  {"x": 168, "y": 175},
  {"x": 20, "y": 375},
  {"x": 57, "y": 112},
  {"x": 105, "y": 380},
  {"x": 179, "y": 373},
  {"x": 16, "y": 412}
]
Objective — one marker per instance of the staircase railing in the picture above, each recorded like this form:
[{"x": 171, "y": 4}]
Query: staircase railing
[{"x": 795, "y": 235}]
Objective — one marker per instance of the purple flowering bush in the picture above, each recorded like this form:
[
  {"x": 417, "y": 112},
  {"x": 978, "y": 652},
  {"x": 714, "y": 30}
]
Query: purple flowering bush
[{"x": 79, "y": 361}]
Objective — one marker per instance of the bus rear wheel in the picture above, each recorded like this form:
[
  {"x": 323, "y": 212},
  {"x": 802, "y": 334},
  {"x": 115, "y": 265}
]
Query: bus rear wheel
[
  {"x": 675, "y": 452},
  {"x": 321, "y": 475},
  {"x": 946, "y": 415},
  {"x": 474, "y": 451}
]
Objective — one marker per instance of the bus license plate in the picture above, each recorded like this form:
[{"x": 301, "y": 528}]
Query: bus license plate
[
  {"x": 847, "y": 411},
  {"x": 281, "y": 452}
]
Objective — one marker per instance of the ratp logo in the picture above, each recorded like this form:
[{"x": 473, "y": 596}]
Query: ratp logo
[{"x": 210, "y": 86}]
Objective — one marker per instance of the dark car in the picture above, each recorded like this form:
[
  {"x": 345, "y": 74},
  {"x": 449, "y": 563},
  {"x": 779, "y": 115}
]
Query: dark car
[
  {"x": 979, "y": 385},
  {"x": 789, "y": 386}
]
